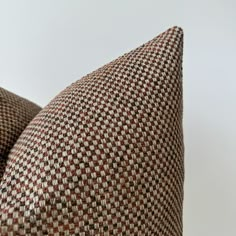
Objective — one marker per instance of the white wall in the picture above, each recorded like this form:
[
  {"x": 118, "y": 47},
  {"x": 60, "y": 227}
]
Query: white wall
[{"x": 46, "y": 45}]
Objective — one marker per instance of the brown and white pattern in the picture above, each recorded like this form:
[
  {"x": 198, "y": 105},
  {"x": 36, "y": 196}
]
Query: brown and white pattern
[
  {"x": 105, "y": 157},
  {"x": 15, "y": 114}
]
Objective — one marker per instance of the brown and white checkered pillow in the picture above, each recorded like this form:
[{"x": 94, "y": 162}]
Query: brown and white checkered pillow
[
  {"x": 15, "y": 114},
  {"x": 105, "y": 157}
]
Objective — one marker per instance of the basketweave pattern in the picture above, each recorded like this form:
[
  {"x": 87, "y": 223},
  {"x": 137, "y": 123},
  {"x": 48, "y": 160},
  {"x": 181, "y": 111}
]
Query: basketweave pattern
[
  {"x": 105, "y": 157},
  {"x": 15, "y": 114}
]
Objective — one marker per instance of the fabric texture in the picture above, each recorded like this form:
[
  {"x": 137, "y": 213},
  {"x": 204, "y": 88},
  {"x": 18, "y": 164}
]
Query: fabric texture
[
  {"x": 15, "y": 114},
  {"x": 105, "y": 157}
]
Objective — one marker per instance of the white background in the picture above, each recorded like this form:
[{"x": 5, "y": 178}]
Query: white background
[{"x": 45, "y": 45}]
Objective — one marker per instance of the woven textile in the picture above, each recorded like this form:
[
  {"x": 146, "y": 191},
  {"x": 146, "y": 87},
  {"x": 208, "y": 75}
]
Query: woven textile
[
  {"x": 15, "y": 113},
  {"x": 105, "y": 157}
]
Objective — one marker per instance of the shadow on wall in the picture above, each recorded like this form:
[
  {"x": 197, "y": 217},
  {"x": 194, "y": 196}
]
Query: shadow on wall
[{"x": 209, "y": 172}]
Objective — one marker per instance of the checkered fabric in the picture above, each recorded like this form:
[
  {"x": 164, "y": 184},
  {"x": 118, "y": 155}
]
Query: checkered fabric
[
  {"x": 15, "y": 114},
  {"x": 105, "y": 157}
]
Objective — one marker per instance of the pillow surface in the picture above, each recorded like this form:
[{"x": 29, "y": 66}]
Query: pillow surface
[
  {"x": 15, "y": 113},
  {"x": 105, "y": 157}
]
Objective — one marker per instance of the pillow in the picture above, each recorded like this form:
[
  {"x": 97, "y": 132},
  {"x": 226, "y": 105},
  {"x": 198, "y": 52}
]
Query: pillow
[
  {"x": 15, "y": 113},
  {"x": 105, "y": 157}
]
